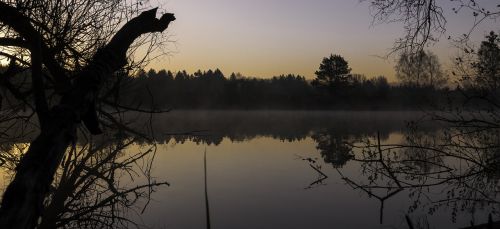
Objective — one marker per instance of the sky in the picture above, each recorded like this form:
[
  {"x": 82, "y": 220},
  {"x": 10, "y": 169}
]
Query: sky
[{"x": 264, "y": 38}]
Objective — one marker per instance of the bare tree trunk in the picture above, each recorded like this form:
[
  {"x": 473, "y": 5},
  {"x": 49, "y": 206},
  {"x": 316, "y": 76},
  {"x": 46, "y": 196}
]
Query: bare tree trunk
[{"x": 22, "y": 202}]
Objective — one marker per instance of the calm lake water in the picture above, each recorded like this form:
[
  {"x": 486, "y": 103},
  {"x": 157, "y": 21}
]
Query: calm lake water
[
  {"x": 273, "y": 169},
  {"x": 258, "y": 175}
]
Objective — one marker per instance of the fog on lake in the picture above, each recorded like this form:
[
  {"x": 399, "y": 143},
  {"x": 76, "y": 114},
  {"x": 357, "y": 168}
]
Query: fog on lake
[{"x": 278, "y": 169}]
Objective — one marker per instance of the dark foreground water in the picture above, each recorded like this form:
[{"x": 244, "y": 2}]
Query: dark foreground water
[
  {"x": 260, "y": 175},
  {"x": 271, "y": 169}
]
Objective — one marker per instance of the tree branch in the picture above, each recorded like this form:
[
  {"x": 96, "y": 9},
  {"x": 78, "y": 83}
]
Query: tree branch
[
  {"x": 8, "y": 41},
  {"x": 21, "y": 24},
  {"x": 23, "y": 199}
]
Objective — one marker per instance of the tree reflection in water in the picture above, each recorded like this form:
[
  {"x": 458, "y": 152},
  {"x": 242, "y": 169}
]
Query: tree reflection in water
[
  {"x": 100, "y": 184},
  {"x": 462, "y": 164},
  {"x": 94, "y": 188},
  {"x": 316, "y": 167},
  {"x": 333, "y": 147}
]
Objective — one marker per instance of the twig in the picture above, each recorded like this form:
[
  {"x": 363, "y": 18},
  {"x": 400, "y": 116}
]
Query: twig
[{"x": 207, "y": 208}]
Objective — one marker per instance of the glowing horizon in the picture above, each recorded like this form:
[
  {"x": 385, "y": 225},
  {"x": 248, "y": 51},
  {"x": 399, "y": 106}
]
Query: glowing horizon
[{"x": 264, "y": 38}]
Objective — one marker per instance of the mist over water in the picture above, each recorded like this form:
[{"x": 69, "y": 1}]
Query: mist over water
[
  {"x": 260, "y": 172},
  {"x": 282, "y": 125},
  {"x": 298, "y": 169}
]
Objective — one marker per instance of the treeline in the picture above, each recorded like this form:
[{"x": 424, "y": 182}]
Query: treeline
[{"x": 213, "y": 90}]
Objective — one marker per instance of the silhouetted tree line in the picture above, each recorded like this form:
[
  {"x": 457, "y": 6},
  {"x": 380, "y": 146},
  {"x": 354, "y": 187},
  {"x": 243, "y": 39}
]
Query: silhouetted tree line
[{"x": 213, "y": 90}]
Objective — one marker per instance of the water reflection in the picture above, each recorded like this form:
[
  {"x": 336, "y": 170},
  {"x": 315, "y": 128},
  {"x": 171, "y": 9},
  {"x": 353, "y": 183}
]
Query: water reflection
[
  {"x": 99, "y": 184},
  {"x": 95, "y": 187},
  {"x": 460, "y": 168},
  {"x": 257, "y": 161},
  {"x": 211, "y": 127},
  {"x": 333, "y": 147},
  {"x": 438, "y": 173},
  {"x": 321, "y": 176}
]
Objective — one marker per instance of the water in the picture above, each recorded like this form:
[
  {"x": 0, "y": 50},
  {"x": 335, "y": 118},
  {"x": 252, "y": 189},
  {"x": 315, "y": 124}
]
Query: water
[
  {"x": 258, "y": 178},
  {"x": 260, "y": 173},
  {"x": 259, "y": 183}
]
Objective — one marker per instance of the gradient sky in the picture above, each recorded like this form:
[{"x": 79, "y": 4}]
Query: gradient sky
[{"x": 263, "y": 38}]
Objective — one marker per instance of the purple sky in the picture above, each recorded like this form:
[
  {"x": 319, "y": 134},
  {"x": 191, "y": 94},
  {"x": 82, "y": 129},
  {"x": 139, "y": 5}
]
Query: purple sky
[{"x": 264, "y": 38}]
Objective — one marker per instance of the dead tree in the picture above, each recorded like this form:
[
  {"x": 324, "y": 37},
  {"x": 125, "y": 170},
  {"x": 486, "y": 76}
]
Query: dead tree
[{"x": 78, "y": 88}]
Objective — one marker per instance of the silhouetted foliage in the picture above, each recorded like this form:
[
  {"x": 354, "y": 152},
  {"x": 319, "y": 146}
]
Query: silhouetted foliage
[
  {"x": 422, "y": 87},
  {"x": 421, "y": 69},
  {"x": 488, "y": 63},
  {"x": 212, "y": 90},
  {"x": 424, "y": 21},
  {"x": 470, "y": 123},
  {"x": 453, "y": 162},
  {"x": 333, "y": 74},
  {"x": 66, "y": 62}
]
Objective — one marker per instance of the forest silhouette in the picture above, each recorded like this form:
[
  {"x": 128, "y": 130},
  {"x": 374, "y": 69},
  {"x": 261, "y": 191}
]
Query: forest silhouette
[
  {"x": 213, "y": 90},
  {"x": 72, "y": 80}
]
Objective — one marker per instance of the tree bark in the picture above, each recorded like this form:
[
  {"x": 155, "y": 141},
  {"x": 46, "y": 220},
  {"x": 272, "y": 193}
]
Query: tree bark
[{"x": 23, "y": 200}]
